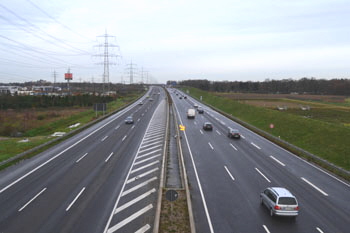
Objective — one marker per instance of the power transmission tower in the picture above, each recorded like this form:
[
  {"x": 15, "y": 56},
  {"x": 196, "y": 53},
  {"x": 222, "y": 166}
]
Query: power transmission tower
[
  {"x": 106, "y": 55},
  {"x": 131, "y": 68},
  {"x": 54, "y": 80}
]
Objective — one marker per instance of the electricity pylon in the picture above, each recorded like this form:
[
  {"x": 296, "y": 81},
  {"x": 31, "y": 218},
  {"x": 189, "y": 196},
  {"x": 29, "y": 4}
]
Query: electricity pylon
[{"x": 106, "y": 55}]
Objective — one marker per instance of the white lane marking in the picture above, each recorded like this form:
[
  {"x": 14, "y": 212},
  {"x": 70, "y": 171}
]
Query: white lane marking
[
  {"x": 104, "y": 138},
  {"x": 319, "y": 230},
  {"x": 142, "y": 175},
  {"x": 277, "y": 161},
  {"x": 255, "y": 146},
  {"x": 139, "y": 186},
  {"x": 197, "y": 178},
  {"x": 223, "y": 123},
  {"x": 142, "y": 114},
  {"x": 152, "y": 139},
  {"x": 229, "y": 173},
  {"x": 262, "y": 175},
  {"x": 142, "y": 161},
  {"x": 314, "y": 186},
  {"x": 154, "y": 135},
  {"x": 151, "y": 148},
  {"x": 137, "y": 199},
  {"x": 211, "y": 146},
  {"x": 150, "y": 144},
  {"x": 218, "y": 132},
  {"x": 195, "y": 122},
  {"x": 117, "y": 127},
  {"x": 130, "y": 218},
  {"x": 133, "y": 127},
  {"x": 31, "y": 200},
  {"x": 155, "y": 131},
  {"x": 216, "y": 119},
  {"x": 201, "y": 131},
  {"x": 233, "y": 147},
  {"x": 75, "y": 199},
  {"x": 266, "y": 229},
  {"x": 242, "y": 136},
  {"x": 144, "y": 155},
  {"x": 138, "y": 119},
  {"x": 108, "y": 157},
  {"x": 81, "y": 158},
  {"x": 143, "y": 167},
  {"x": 143, "y": 229},
  {"x": 124, "y": 138}
]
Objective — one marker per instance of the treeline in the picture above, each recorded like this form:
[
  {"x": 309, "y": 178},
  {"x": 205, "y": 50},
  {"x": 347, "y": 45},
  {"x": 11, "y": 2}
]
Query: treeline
[
  {"x": 22, "y": 102},
  {"x": 285, "y": 86}
]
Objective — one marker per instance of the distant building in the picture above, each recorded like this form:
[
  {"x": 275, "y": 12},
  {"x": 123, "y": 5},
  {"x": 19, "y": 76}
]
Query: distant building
[{"x": 5, "y": 90}]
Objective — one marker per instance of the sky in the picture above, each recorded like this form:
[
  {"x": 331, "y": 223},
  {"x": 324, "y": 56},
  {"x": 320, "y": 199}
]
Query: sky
[{"x": 234, "y": 40}]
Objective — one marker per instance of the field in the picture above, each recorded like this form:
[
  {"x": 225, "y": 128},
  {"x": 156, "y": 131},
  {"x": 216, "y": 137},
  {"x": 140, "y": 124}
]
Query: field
[
  {"x": 30, "y": 128},
  {"x": 323, "y": 130},
  {"x": 331, "y": 109}
]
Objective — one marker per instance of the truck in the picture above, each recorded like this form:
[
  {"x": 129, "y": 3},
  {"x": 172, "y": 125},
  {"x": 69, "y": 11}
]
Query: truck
[{"x": 191, "y": 113}]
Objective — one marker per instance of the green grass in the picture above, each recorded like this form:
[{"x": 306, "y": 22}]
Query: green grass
[
  {"x": 329, "y": 141},
  {"x": 37, "y": 136}
]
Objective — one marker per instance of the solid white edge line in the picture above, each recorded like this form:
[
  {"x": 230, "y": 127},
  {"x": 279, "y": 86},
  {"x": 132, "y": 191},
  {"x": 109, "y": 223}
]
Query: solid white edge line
[
  {"x": 319, "y": 230},
  {"x": 130, "y": 218},
  {"x": 266, "y": 229},
  {"x": 277, "y": 161},
  {"x": 31, "y": 200},
  {"x": 211, "y": 146},
  {"x": 75, "y": 199},
  {"x": 198, "y": 181},
  {"x": 127, "y": 177},
  {"x": 229, "y": 173},
  {"x": 68, "y": 148},
  {"x": 133, "y": 201},
  {"x": 314, "y": 186},
  {"x": 81, "y": 158},
  {"x": 109, "y": 157},
  {"x": 233, "y": 147},
  {"x": 262, "y": 175}
]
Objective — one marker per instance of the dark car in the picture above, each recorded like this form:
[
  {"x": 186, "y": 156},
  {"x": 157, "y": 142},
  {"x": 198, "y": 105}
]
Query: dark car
[
  {"x": 233, "y": 133},
  {"x": 180, "y": 97},
  {"x": 200, "y": 110},
  {"x": 207, "y": 126},
  {"x": 185, "y": 97},
  {"x": 129, "y": 120}
]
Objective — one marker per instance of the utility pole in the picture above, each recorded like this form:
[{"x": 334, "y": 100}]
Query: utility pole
[
  {"x": 54, "y": 80},
  {"x": 131, "y": 68},
  {"x": 106, "y": 55}
]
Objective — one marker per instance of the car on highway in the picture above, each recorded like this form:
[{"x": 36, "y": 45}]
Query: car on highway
[
  {"x": 140, "y": 103},
  {"x": 185, "y": 97},
  {"x": 200, "y": 110},
  {"x": 207, "y": 126},
  {"x": 150, "y": 99},
  {"x": 195, "y": 105},
  {"x": 233, "y": 133},
  {"x": 279, "y": 201},
  {"x": 129, "y": 120},
  {"x": 180, "y": 97}
]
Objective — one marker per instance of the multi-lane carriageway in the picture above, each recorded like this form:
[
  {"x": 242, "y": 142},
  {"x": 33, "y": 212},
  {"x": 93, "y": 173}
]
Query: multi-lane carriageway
[{"x": 107, "y": 178}]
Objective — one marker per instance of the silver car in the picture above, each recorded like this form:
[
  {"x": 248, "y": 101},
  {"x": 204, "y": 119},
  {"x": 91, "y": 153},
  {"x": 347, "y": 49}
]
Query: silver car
[{"x": 279, "y": 201}]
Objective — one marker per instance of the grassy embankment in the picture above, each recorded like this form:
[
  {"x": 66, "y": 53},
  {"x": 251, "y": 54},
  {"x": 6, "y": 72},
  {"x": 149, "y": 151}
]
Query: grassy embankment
[
  {"x": 41, "y": 134},
  {"x": 327, "y": 140}
]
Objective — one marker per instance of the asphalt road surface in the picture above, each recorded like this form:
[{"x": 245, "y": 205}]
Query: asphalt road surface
[
  {"x": 104, "y": 179},
  {"x": 226, "y": 177}
]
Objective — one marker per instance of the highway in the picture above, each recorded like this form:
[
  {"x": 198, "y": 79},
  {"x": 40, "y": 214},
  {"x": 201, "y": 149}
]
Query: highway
[
  {"x": 227, "y": 175},
  {"x": 104, "y": 179}
]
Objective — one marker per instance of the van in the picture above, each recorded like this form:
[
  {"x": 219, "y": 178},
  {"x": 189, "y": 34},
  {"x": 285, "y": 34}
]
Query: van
[{"x": 191, "y": 113}]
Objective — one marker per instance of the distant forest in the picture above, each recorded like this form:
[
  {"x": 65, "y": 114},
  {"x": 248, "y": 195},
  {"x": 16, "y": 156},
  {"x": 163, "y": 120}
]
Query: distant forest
[{"x": 285, "y": 86}]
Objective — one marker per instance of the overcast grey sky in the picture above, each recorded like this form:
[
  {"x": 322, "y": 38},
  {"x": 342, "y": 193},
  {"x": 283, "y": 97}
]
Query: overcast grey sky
[{"x": 175, "y": 39}]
